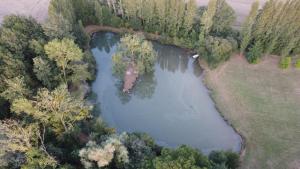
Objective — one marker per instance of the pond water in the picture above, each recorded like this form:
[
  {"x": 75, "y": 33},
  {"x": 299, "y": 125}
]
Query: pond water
[{"x": 171, "y": 104}]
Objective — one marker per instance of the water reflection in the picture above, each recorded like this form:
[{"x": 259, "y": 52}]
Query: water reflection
[
  {"x": 143, "y": 89},
  {"x": 145, "y": 86},
  {"x": 171, "y": 104},
  {"x": 171, "y": 58},
  {"x": 104, "y": 41}
]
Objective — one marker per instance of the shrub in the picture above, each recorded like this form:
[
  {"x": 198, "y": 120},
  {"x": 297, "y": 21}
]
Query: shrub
[
  {"x": 223, "y": 159},
  {"x": 297, "y": 64},
  {"x": 285, "y": 62},
  {"x": 219, "y": 50},
  {"x": 255, "y": 53}
]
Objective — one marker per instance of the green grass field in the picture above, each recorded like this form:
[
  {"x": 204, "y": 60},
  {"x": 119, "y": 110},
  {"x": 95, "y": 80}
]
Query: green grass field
[{"x": 263, "y": 103}]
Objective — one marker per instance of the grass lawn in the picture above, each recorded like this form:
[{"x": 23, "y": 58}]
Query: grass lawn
[{"x": 263, "y": 103}]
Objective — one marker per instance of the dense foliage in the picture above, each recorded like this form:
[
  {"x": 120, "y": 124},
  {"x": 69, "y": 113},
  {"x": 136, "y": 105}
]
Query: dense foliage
[
  {"x": 134, "y": 50},
  {"x": 272, "y": 30}
]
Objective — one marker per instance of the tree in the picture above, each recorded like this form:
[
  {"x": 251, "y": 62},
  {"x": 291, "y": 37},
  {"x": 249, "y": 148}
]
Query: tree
[
  {"x": 56, "y": 109},
  {"x": 98, "y": 13},
  {"x": 208, "y": 16},
  {"x": 17, "y": 32},
  {"x": 219, "y": 50},
  {"x": 11, "y": 66},
  {"x": 255, "y": 52},
  {"x": 135, "y": 50},
  {"x": 82, "y": 38},
  {"x": 223, "y": 19},
  {"x": 16, "y": 88},
  {"x": 46, "y": 72},
  {"x": 63, "y": 52},
  {"x": 36, "y": 158},
  {"x": 247, "y": 27},
  {"x": 17, "y": 139},
  {"x": 224, "y": 160},
  {"x": 276, "y": 28},
  {"x": 61, "y": 19},
  {"x": 189, "y": 16},
  {"x": 102, "y": 155},
  {"x": 181, "y": 158},
  {"x": 141, "y": 149}
]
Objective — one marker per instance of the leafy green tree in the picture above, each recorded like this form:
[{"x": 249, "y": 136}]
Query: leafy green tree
[
  {"x": 255, "y": 52},
  {"x": 19, "y": 140},
  {"x": 82, "y": 38},
  {"x": 189, "y": 16},
  {"x": 61, "y": 19},
  {"x": 181, "y": 158},
  {"x": 224, "y": 160},
  {"x": 36, "y": 158},
  {"x": 208, "y": 16},
  {"x": 46, "y": 72},
  {"x": 277, "y": 27},
  {"x": 102, "y": 155},
  {"x": 11, "y": 66},
  {"x": 247, "y": 26},
  {"x": 219, "y": 50},
  {"x": 135, "y": 50},
  {"x": 223, "y": 19},
  {"x": 141, "y": 149},
  {"x": 17, "y": 32},
  {"x": 56, "y": 109},
  {"x": 64, "y": 52},
  {"x": 98, "y": 13},
  {"x": 15, "y": 89}
]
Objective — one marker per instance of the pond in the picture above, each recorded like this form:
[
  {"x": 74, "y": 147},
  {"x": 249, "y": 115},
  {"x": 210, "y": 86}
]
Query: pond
[{"x": 171, "y": 104}]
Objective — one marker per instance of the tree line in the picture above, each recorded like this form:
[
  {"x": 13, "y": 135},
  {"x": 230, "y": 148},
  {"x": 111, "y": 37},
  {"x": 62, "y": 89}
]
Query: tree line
[{"x": 273, "y": 29}]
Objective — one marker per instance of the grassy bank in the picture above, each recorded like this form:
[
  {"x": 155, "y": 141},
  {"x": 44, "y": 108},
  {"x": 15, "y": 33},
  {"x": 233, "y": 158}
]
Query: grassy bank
[{"x": 263, "y": 103}]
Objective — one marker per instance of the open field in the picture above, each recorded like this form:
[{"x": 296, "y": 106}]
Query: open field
[
  {"x": 36, "y": 8},
  {"x": 39, "y": 8},
  {"x": 263, "y": 103}
]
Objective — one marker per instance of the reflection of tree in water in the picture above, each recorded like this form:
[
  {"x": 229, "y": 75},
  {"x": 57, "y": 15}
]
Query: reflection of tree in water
[
  {"x": 197, "y": 70},
  {"x": 104, "y": 41},
  {"x": 171, "y": 58},
  {"x": 144, "y": 88},
  {"x": 124, "y": 97}
]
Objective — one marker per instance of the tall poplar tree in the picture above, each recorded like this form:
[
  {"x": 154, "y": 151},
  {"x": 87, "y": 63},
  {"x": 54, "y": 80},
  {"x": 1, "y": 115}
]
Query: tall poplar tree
[
  {"x": 247, "y": 26},
  {"x": 189, "y": 16}
]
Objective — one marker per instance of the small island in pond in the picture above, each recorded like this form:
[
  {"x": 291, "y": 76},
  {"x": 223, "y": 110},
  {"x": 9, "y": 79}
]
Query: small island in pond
[{"x": 134, "y": 57}]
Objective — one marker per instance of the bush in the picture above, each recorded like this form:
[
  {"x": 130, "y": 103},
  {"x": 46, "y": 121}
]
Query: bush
[
  {"x": 223, "y": 159},
  {"x": 297, "y": 64},
  {"x": 255, "y": 53},
  {"x": 285, "y": 62},
  {"x": 219, "y": 50}
]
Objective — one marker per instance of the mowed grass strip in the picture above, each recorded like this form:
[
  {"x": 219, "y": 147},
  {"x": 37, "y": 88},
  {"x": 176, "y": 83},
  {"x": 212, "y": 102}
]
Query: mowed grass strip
[{"x": 263, "y": 103}]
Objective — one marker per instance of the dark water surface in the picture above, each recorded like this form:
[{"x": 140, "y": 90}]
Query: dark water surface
[{"x": 171, "y": 104}]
